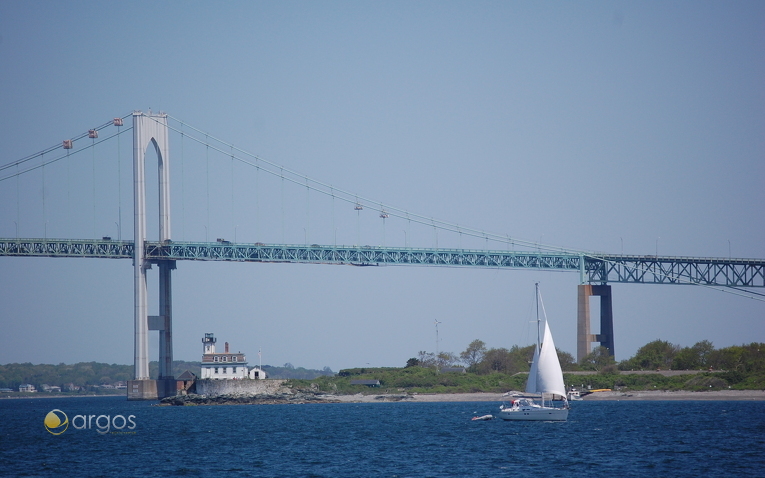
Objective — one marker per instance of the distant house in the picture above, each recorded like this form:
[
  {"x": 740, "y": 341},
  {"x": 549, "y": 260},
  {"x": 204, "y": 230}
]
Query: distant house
[
  {"x": 27, "y": 387},
  {"x": 368, "y": 383},
  {"x": 454, "y": 369},
  {"x": 5, "y": 390},
  {"x": 71, "y": 387},
  {"x": 257, "y": 374},
  {"x": 50, "y": 388}
]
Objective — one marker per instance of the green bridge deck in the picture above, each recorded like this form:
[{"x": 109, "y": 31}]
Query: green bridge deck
[{"x": 595, "y": 268}]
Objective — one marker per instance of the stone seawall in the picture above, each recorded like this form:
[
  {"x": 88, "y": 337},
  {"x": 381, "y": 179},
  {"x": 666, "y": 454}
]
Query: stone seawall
[{"x": 243, "y": 388}]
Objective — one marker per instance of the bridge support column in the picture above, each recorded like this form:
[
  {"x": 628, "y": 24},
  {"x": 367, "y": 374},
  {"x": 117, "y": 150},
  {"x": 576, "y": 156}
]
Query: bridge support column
[
  {"x": 166, "y": 311},
  {"x": 165, "y": 385},
  {"x": 151, "y": 130},
  {"x": 140, "y": 264},
  {"x": 583, "y": 336}
]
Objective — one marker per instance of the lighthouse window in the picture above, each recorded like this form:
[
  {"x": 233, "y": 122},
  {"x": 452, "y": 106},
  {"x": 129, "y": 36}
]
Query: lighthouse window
[
  {"x": 216, "y": 369},
  {"x": 225, "y": 359},
  {"x": 215, "y": 359},
  {"x": 235, "y": 357}
]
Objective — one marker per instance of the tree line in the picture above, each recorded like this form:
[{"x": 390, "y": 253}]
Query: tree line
[
  {"x": 87, "y": 375},
  {"x": 658, "y": 354}
]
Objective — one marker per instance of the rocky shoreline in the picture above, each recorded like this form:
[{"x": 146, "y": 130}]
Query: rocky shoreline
[{"x": 298, "y": 397}]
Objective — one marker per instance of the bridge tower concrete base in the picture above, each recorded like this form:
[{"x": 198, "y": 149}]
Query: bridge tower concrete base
[
  {"x": 151, "y": 389},
  {"x": 583, "y": 336}
]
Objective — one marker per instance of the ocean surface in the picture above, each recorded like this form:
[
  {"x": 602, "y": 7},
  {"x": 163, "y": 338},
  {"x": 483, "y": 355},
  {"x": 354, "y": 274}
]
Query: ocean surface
[{"x": 624, "y": 439}]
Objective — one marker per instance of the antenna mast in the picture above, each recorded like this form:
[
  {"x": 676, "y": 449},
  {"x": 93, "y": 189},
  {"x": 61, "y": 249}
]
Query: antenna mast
[{"x": 437, "y": 358}]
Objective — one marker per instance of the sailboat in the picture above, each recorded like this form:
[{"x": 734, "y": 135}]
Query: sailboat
[{"x": 545, "y": 379}]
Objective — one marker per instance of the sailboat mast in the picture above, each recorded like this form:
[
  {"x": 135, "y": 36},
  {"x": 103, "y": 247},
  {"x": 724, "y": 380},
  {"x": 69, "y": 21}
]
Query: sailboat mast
[{"x": 539, "y": 340}]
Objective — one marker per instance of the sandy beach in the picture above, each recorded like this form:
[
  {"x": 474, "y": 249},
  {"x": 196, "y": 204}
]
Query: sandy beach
[{"x": 750, "y": 395}]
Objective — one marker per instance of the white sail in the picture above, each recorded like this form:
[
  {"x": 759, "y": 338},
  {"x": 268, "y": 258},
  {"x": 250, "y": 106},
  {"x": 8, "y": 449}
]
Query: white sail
[
  {"x": 549, "y": 376},
  {"x": 531, "y": 384}
]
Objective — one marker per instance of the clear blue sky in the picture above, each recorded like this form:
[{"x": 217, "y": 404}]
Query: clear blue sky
[{"x": 602, "y": 126}]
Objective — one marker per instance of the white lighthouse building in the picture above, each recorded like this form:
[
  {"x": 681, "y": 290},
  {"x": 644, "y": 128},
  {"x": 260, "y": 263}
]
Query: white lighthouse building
[{"x": 219, "y": 366}]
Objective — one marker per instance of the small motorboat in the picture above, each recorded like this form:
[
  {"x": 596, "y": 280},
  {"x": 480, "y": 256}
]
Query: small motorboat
[{"x": 483, "y": 417}]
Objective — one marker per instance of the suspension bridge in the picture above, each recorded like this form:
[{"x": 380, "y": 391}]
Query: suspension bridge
[{"x": 151, "y": 132}]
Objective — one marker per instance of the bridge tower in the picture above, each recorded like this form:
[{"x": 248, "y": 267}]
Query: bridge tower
[{"x": 151, "y": 130}]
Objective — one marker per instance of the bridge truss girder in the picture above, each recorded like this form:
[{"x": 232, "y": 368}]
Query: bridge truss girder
[
  {"x": 677, "y": 270},
  {"x": 101, "y": 249},
  {"x": 362, "y": 256},
  {"x": 600, "y": 269}
]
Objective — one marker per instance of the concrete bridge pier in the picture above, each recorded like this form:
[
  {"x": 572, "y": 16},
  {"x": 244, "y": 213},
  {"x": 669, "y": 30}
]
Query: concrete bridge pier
[{"x": 584, "y": 337}]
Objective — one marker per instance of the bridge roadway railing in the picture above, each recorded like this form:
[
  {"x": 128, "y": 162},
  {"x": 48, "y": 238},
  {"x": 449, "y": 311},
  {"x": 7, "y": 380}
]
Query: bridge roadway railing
[{"x": 595, "y": 268}]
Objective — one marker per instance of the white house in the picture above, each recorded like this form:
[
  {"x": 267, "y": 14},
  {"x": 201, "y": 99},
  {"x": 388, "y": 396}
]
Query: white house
[
  {"x": 27, "y": 387},
  {"x": 257, "y": 374},
  {"x": 220, "y": 366}
]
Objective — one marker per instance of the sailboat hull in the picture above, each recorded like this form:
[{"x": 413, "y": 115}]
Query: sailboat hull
[{"x": 534, "y": 414}]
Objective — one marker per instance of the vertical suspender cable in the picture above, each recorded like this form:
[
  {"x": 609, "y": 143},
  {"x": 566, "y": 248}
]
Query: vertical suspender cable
[
  {"x": 281, "y": 174},
  {"x": 207, "y": 163},
  {"x": 232, "y": 192},
  {"x": 183, "y": 193},
  {"x": 18, "y": 207},
  {"x": 93, "y": 147},
  {"x": 409, "y": 227},
  {"x": 45, "y": 222},
  {"x": 307, "y": 211},
  {"x": 68, "y": 195},
  {"x": 358, "y": 224},
  {"x": 119, "y": 184},
  {"x": 257, "y": 200}
]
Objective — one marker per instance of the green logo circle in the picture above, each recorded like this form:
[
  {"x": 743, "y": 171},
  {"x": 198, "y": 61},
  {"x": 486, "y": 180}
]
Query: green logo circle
[{"x": 56, "y": 422}]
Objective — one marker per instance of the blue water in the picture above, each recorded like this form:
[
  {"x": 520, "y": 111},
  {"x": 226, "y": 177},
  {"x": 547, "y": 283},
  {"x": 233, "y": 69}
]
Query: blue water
[{"x": 622, "y": 439}]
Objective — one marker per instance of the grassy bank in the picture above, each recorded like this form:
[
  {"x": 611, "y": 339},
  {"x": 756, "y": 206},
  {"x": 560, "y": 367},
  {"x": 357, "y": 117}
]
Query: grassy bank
[{"x": 426, "y": 380}]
